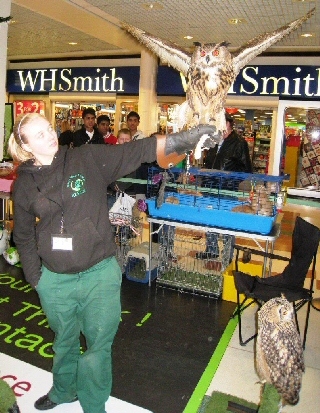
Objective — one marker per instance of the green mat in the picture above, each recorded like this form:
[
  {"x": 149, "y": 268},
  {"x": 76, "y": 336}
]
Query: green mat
[{"x": 225, "y": 403}]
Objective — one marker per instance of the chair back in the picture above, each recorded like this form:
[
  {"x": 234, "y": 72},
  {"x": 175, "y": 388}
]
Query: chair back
[{"x": 305, "y": 242}]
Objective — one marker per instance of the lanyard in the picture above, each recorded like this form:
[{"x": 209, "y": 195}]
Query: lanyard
[{"x": 52, "y": 200}]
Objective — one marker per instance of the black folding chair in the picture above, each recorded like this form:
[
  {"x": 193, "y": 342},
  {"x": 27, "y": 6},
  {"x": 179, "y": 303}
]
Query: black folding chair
[{"x": 290, "y": 283}]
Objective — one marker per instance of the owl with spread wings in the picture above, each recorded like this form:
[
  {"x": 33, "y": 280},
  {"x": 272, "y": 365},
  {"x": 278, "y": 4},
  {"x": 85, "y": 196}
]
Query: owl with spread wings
[{"x": 210, "y": 70}]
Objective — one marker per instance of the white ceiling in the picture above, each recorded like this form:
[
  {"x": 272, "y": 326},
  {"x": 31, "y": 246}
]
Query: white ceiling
[{"x": 43, "y": 29}]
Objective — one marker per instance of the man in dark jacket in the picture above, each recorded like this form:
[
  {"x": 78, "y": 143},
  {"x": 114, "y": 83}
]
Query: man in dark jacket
[
  {"x": 232, "y": 155},
  {"x": 88, "y": 133}
]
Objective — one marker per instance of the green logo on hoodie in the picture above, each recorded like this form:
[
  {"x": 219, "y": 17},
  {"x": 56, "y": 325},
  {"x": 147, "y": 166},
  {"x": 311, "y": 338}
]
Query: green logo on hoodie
[{"x": 76, "y": 183}]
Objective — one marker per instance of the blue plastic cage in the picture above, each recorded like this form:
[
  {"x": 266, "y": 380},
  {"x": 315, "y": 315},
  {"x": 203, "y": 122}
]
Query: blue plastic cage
[{"x": 232, "y": 200}]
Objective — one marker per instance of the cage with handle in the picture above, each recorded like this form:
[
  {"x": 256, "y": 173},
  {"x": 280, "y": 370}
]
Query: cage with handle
[
  {"x": 234, "y": 200},
  {"x": 127, "y": 232},
  {"x": 184, "y": 265}
]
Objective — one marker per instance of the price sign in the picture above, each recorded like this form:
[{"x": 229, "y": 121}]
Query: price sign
[{"x": 28, "y": 106}]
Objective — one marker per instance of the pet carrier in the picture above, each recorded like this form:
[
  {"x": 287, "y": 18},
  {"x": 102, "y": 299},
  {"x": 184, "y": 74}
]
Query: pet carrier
[
  {"x": 233, "y": 200},
  {"x": 138, "y": 263},
  {"x": 127, "y": 235},
  {"x": 184, "y": 265}
]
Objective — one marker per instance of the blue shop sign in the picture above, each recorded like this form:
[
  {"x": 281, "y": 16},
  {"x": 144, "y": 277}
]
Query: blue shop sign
[
  {"x": 119, "y": 80},
  {"x": 263, "y": 80},
  {"x": 254, "y": 80}
]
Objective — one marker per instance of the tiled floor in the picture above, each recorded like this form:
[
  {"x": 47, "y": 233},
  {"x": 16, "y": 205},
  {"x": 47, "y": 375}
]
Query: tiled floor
[{"x": 236, "y": 374}]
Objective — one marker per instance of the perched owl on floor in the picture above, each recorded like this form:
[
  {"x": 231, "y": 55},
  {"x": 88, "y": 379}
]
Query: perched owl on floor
[
  {"x": 279, "y": 353},
  {"x": 210, "y": 70}
]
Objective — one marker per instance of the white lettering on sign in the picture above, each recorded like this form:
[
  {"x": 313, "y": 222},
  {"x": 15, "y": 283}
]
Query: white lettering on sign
[
  {"x": 279, "y": 85},
  {"x": 51, "y": 80},
  {"x": 252, "y": 80}
]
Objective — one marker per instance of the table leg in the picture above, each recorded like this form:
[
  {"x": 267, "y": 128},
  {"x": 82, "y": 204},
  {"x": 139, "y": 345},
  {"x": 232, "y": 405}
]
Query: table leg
[
  {"x": 265, "y": 259},
  {"x": 150, "y": 251}
]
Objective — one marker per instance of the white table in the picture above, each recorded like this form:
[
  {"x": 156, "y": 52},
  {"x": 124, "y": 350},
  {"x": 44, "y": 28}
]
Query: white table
[{"x": 267, "y": 239}]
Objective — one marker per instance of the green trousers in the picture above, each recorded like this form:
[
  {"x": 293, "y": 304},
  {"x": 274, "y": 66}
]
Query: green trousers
[{"x": 86, "y": 302}]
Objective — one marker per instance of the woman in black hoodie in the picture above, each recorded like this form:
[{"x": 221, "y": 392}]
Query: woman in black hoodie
[{"x": 67, "y": 249}]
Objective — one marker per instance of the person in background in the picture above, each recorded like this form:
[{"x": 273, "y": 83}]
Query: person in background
[
  {"x": 123, "y": 136},
  {"x": 67, "y": 248},
  {"x": 133, "y": 121},
  {"x": 103, "y": 123},
  {"x": 232, "y": 154},
  {"x": 66, "y": 135},
  {"x": 88, "y": 134}
]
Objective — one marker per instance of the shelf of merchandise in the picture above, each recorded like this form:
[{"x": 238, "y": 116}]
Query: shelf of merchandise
[{"x": 261, "y": 150}]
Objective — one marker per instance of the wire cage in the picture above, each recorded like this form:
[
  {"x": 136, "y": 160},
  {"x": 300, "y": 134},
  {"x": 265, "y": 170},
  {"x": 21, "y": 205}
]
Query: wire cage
[
  {"x": 127, "y": 234},
  {"x": 193, "y": 261},
  {"x": 233, "y": 200}
]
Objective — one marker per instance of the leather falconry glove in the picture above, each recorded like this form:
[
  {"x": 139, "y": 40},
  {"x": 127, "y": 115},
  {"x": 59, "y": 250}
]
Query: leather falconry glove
[{"x": 171, "y": 149}]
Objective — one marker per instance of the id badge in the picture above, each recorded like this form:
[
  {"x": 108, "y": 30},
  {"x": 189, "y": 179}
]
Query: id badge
[{"x": 61, "y": 242}]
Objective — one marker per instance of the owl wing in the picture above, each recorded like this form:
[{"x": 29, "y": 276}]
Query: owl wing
[
  {"x": 258, "y": 44},
  {"x": 168, "y": 52}
]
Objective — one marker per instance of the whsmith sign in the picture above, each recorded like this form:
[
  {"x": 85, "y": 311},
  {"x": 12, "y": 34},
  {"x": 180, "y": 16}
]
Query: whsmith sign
[{"x": 256, "y": 80}]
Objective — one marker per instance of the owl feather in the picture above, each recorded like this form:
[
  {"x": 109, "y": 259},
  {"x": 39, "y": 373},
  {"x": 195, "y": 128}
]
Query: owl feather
[
  {"x": 279, "y": 352},
  {"x": 211, "y": 69}
]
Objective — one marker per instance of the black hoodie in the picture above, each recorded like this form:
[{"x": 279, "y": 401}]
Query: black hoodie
[{"x": 75, "y": 186}]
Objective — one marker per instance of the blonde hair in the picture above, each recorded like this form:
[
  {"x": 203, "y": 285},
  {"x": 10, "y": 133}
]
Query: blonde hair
[
  {"x": 18, "y": 138},
  {"x": 124, "y": 131}
]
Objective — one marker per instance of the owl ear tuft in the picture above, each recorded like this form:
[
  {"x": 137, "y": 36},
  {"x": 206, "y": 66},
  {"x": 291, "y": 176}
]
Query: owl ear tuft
[{"x": 197, "y": 44}]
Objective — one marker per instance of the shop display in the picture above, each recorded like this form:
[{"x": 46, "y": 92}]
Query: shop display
[
  {"x": 261, "y": 149},
  {"x": 126, "y": 108},
  {"x": 250, "y": 138},
  {"x": 73, "y": 113},
  {"x": 167, "y": 114},
  {"x": 310, "y": 171},
  {"x": 211, "y": 69},
  {"x": 28, "y": 106}
]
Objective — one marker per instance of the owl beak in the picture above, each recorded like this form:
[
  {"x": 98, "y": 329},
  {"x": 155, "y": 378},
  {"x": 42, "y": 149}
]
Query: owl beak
[{"x": 207, "y": 58}]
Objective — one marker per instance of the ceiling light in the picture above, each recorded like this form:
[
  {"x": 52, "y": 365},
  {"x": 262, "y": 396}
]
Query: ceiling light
[
  {"x": 72, "y": 43},
  {"x": 188, "y": 37},
  {"x": 236, "y": 21},
  {"x": 307, "y": 35},
  {"x": 152, "y": 6}
]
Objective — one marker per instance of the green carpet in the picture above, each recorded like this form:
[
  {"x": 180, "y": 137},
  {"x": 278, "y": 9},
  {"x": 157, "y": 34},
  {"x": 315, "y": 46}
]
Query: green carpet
[{"x": 223, "y": 403}]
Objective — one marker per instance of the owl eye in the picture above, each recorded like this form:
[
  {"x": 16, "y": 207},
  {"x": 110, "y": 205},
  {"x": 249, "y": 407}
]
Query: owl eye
[
  {"x": 216, "y": 52},
  {"x": 202, "y": 53}
]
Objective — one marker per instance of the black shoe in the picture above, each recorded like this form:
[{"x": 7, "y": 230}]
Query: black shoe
[
  {"x": 44, "y": 403},
  {"x": 206, "y": 255}
]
